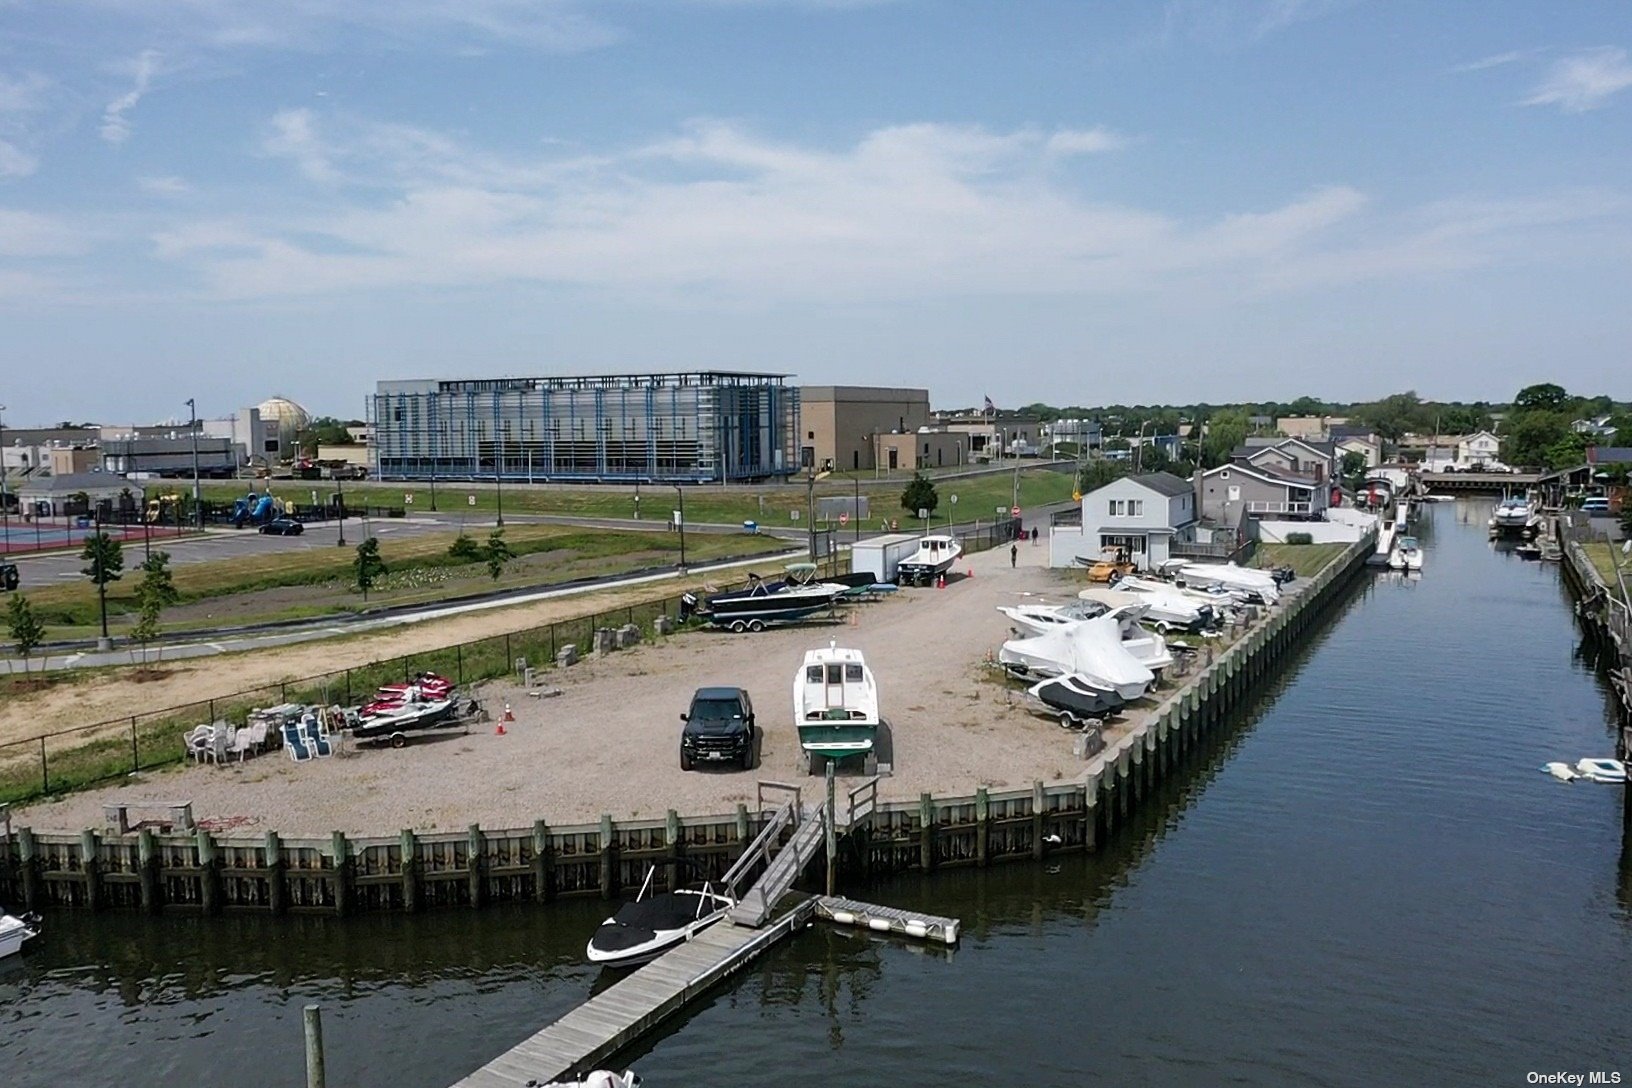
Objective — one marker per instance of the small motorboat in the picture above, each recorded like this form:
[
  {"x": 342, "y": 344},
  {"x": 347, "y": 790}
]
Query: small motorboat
[
  {"x": 1611, "y": 771},
  {"x": 655, "y": 922},
  {"x": 1561, "y": 771},
  {"x": 600, "y": 1078},
  {"x": 16, "y": 929},
  {"x": 1076, "y": 698},
  {"x": 835, "y": 707},
  {"x": 935, "y": 555}
]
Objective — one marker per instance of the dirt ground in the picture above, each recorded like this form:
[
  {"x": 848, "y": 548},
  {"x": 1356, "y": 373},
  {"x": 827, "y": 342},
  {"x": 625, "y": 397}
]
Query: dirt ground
[{"x": 609, "y": 742}]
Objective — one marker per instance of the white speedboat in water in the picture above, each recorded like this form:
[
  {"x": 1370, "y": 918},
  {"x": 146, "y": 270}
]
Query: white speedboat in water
[
  {"x": 600, "y": 1078},
  {"x": 935, "y": 555},
  {"x": 1513, "y": 516},
  {"x": 1561, "y": 771},
  {"x": 655, "y": 922},
  {"x": 15, "y": 930},
  {"x": 1611, "y": 771},
  {"x": 1407, "y": 554}
]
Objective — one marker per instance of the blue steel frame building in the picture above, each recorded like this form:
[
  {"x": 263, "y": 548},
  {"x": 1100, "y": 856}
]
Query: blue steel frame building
[{"x": 697, "y": 427}]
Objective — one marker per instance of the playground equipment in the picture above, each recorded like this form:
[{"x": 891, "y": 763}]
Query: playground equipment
[
  {"x": 163, "y": 508},
  {"x": 254, "y": 509}
]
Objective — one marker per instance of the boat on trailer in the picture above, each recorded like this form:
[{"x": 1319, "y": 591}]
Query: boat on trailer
[
  {"x": 656, "y": 922},
  {"x": 835, "y": 707},
  {"x": 1076, "y": 698},
  {"x": 764, "y": 603},
  {"x": 935, "y": 555}
]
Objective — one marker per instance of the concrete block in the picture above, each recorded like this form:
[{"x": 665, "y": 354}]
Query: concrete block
[
  {"x": 606, "y": 640},
  {"x": 566, "y": 655},
  {"x": 628, "y": 635},
  {"x": 662, "y": 625}
]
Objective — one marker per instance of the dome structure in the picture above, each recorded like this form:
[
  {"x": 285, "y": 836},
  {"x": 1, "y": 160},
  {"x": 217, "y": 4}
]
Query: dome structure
[{"x": 291, "y": 417}]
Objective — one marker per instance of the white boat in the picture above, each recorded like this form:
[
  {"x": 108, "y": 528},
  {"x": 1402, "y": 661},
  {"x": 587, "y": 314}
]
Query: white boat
[
  {"x": 1169, "y": 607},
  {"x": 1092, "y": 648},
  {"x": 1514, "y": 515},
  {"x": 935, "y": 555},
  {"x": 1147, "y": 647},
  {"x": 1561, "y": 771},
  {"x": 600, "y": 1078},
  {"x": 835, "y": 705},
  {"x": 1218, "y": 598},
  {"x": 655, "y": 922},
  {"x": 1257, "y": 582},
  {"x": 1409, "y": 552},
  {"x": 1036, "y": 619},
  {"x": 1612, "y": 771},
  {"x": 15, "y": 930}
]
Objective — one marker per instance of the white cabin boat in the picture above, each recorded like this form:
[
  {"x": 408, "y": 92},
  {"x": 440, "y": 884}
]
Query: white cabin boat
[
  {"x": 935, "y": 555},
  {"x": 835, "y": 705}
]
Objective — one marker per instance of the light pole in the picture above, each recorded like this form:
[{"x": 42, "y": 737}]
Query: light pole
[
  {"x": 680, "y": 518},
  {"x": 856, "y": 513},
  {"x": 810, "y": 509},
  {"x": 436, "y": 451},
  {"x": 1139, "y": 448},
  {"x": 198, "y": 501},
  {"x": 5, "y": 508},
  {"x": 340, "y": 501},
  {"x": 498, "y": 481}
]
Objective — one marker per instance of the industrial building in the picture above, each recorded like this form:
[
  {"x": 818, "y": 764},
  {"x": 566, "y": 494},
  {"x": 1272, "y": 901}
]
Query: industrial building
[
  {"x": 843, "y": 427},
  {"x": 695, "y": 427}
]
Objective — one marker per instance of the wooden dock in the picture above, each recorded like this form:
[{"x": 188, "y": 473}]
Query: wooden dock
[
  {"x": 901, "y": 923},
  {"x": 612, "y": 1019}
]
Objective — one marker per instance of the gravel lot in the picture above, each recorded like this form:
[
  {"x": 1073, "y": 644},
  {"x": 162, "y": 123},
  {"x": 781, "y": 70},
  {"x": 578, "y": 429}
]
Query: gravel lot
[{"x": 609, "y": 743}]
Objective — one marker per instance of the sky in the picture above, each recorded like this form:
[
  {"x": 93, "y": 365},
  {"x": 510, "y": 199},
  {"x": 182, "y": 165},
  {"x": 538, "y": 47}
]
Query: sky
[{"x": 1034, "y": 200}]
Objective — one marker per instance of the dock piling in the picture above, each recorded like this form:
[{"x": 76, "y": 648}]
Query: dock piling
[{"x": 316, "y": 1074}]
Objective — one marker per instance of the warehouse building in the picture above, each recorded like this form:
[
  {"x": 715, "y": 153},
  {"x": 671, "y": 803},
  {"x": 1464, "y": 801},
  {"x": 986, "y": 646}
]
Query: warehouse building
[
  {"x": 696, "y": 427},
  {"x": 843, "y": 426}
]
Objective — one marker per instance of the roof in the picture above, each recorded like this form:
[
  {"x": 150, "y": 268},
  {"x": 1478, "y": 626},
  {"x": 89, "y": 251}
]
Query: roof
[
  {"x": 1268, "y": 475},
  {"x": 78, "y": 481},
  {"x": 1609, "y": 455},
  {"x": 717, "y": 693},
  {"x": 1163, "y": 483}
]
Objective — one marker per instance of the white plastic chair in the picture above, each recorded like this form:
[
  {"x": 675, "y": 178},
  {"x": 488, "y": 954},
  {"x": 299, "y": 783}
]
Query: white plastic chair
[
  {"x": 220, "y": 744},
  {"x": 243, "y": 743},
  {"x": 196, "y": 741}
]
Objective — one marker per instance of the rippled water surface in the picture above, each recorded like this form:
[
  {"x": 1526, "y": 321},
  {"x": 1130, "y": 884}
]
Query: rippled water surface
[{"x": 1366, "y": 882}]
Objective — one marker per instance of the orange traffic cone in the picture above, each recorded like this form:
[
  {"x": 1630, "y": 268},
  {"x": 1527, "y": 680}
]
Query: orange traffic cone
[
  {"x": 499, "y": 731},
  {"x": 971, "y": 572},
  {"x": 509, "y": 715},
  {"x": 940, "y": 581}
]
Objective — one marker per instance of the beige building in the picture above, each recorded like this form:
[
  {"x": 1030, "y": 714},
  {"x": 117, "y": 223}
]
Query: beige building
[
  {"x": 73, "y": 460},
  {"x": 841, "y": 427},
  {"x": 1309, "y": 428},
  {"x": 922, "y": 449}
]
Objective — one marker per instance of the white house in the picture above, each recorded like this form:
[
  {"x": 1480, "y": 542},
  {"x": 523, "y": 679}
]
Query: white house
[
  {"x": 1478, "y": 448},
  {"x": 1139, "y": 514}
]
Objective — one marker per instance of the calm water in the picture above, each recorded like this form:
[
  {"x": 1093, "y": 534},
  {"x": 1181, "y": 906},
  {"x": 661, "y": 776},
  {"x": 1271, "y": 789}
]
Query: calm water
[{"x": 1366, "y": 882}]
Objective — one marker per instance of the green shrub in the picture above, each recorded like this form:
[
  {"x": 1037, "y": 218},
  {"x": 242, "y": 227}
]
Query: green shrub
[{"x": 1300, "y": 538}]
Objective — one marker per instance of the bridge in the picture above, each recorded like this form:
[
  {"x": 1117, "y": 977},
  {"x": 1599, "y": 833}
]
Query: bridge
[{"x": 1496, "y": 482}]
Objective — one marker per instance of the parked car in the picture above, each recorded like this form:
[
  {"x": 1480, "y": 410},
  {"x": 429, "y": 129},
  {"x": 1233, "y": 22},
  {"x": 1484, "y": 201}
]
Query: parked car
[
  {"x": 719, "y": 729},
  {"x": 8, "y": 576},
  {"x": 283, "y": 527},
  {"x": 1597, "y": 504}
]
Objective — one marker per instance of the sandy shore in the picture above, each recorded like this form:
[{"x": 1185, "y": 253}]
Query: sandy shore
[{"x": 609, "y": 743}]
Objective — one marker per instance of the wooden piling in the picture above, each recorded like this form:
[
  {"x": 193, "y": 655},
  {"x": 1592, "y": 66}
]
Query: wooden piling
[
  {"x": 147, "y": 870},
  {"x": 316, "y": 1073},
  {"x": 209, "y": 873},
  {"x": 28, "y": 860},
  {"x": 90, "y": 866},
  {"x": 409, "y": 847},
  {"x": 609, "y": 860},
  {"x": 1090, "y": 814},
  {"x": 277, "y": 888},
  {"x": 926, "y": 832},
  {"x": 543, "y": 863},
  {"x": 340, "y": 876},
  {"x": 674, "y": 848},
  {"x": 983, "y": 826},
  {"x": 1038, "y": 812},
  {"x": 476, "y": 867}
]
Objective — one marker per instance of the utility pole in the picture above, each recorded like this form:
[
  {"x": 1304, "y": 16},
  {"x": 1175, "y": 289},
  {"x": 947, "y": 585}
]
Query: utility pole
[
  {"x": 498, "y": 480},
  {"x": 680, "y": 516},
  {"x": 5, "y": 508},
  {"x": 340, "y": 501},
  {"x": 198, "y": 501},
  {"x": 101, "y": 579},
  {"x": 436, "y": 451},
  {"x": 855, "y": 514}
]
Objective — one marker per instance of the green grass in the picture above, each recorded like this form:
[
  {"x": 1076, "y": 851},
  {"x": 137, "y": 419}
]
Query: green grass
[
  {"x": 418, "y": 564},
  {"x": 1306, "y": 560},
  {"x": 771, "y": 505},
  {"x": 1605, "y": 558}
]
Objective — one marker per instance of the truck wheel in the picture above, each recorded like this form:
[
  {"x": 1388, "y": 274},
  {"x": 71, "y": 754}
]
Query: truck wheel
[
  {"x": 738, "y": 627},
  {"x": 748, "y": 759},
  {"x": 685, "y": 762}
]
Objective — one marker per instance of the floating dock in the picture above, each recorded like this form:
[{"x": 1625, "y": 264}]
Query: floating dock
[{"x": 901, "y": 923}]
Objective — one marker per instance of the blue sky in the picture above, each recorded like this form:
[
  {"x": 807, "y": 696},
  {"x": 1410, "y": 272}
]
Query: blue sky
[{"x": 1063, "y": 201}]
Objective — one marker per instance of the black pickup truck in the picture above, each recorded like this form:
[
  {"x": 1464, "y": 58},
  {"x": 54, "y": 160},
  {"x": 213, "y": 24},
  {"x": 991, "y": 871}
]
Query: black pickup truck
[{"x": 719, "y": 729}]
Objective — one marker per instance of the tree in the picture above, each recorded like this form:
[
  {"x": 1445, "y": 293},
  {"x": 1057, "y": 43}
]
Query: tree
[
  {"x": 1097, "y": 473},
  {"x": 1394, "y": 415},
  {"x": 105, "y": 559},
  {"x": 27, "y": 632},
  {"x": 1533, "y": 437},
  {"x": 1353, "y": 465},
  {"x": 1626, "y": 518},
  {"x": 1225, "y": 431},
  {"x": 155, "y": 592},
  {"x": 496, "y": 553},
  {"x": 1543, "y": 397},
  {"x": 368, "y": 567},
  {"x": 465, "y": 549},
  {"x": 919, "y": 495}
]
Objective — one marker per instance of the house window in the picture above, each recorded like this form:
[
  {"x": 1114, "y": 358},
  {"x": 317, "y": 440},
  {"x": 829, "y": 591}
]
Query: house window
[
  {"x": 1136, "y": 508},
  {"x": 1116, "y": 508},
  {"x": 1225, "y": 475}
]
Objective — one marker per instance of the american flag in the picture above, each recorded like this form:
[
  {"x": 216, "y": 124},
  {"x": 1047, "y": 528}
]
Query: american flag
[{"x": 990, "y": 407}]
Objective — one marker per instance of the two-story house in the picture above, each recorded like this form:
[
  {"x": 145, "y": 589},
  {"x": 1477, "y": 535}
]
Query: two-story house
[
  {"x": 1141, "y": 515},
  {"x": 1292, "y": 455},
  {"x": 1481, "y": 448},
  {"x": 1228, "y": 492}
]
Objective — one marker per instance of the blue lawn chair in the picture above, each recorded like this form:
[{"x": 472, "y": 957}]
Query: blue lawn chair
[
  {"x": 294, "y": 743},
  {"x": 315, "y": 736}
]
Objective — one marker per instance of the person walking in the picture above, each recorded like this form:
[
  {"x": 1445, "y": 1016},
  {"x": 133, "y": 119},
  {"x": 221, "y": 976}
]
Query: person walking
[{"x": 1014, "y": 555}]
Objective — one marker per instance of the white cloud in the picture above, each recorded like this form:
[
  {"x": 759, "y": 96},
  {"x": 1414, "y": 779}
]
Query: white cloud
[
  {"x": 1085, "y": 141},
  {"x": 18, "y": 98},
  {"x": 22, "y": 95},
  {"x": 29, "y": 234},
  {"x": 715, "y": 214},
  {"x": 115, "y": 125},
  {"x": 1584, "y": 81},
  {"x": 1495, "y": 60},
  {"x": 165, "y": 185},
  {"x": 1231, "y": 23}
]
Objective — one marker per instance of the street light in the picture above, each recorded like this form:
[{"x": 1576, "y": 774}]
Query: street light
[
  {"x": 5, "y": 510},
  {"x": 436, "y": 451},
  {"x": 498, "y": 480},
  {"x": 856, "y": 513},
  {"x": 680, "y": 518},
  {"x": 340, "y": 501},
  {"x": 198, "y": 501},
  {"x": 810, "y": 509}
]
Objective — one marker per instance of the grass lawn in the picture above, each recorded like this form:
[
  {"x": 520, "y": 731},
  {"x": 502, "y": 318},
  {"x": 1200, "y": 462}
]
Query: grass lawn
[
  {"x": 1605, "y": 557},
  {"x": 1306, "y": 560},
  {"x": 248, "y": 589},
  {"x": 769, "y": 504}
]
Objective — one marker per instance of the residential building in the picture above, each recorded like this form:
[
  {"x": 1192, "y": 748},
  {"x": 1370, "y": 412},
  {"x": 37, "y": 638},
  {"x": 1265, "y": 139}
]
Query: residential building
[
  {"x": 1362, "y": 442},
  {"x": 1295, "y": 456},
  {"x": 696, "y": 427},
  {"x": 841, "y": 425},
  {"x": 1228, "y": 492},
  {"x": 1480, "y": 448},
  {"x": 1141, "y": 515}
]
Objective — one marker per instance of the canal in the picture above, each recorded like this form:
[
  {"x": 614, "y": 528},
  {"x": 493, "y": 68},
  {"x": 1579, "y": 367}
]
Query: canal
[{"x": 1365, "y": 881}]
